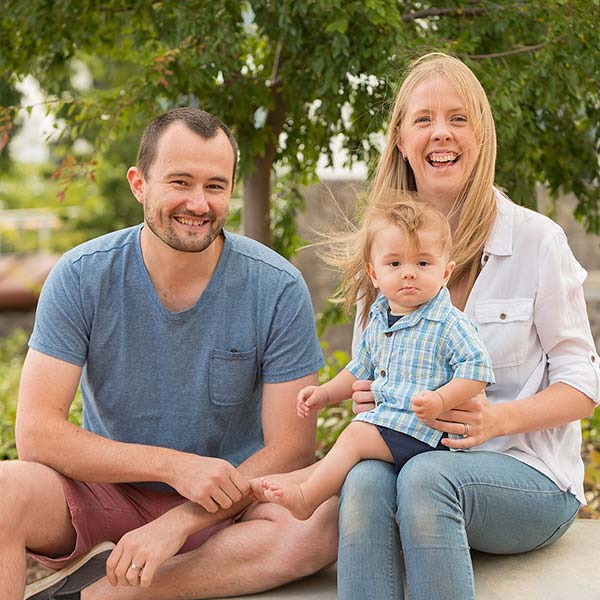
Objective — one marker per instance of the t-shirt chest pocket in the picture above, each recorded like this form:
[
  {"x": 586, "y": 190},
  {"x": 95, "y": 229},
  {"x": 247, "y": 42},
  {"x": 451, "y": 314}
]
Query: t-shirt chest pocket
[
  {"x": 232, "y": 376},
  {"x": 504, "y": 326}
]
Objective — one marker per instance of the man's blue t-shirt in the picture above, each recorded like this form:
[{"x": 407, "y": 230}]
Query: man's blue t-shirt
[{"x": 190, "y": 380}]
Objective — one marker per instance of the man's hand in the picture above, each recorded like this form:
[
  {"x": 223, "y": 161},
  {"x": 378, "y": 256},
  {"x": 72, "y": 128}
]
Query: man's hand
[
  {"x": 312, "y": 397},
  {"x": 147, "y": 548},
  {"x": 427, "y": 405},
  {"x": 210, "y": 482}
]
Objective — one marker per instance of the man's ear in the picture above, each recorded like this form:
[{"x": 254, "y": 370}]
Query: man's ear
[
  {"x": 136, "y": 183},
  {"x": 449, "y": 268},
  {"x": 372, "y": 275}
]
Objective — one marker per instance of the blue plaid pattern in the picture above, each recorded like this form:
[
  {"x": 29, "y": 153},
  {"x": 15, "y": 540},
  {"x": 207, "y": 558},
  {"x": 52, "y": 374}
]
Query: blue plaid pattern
[{"x": 422, "y": 351}]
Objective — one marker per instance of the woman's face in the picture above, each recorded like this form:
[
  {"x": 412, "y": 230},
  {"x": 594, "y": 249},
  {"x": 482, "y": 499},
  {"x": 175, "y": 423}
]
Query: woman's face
[{"x": 438, "y": 141}]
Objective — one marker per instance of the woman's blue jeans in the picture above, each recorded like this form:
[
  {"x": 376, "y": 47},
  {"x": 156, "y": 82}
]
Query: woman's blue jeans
[{"x": 441, "y": 504}]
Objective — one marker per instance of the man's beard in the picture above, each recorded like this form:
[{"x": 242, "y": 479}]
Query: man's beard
[{"x": 169, "y": 237}]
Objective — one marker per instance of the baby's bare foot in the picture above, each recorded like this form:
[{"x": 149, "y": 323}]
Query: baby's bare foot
[
  {"x": 257, "y": 490},
  {"x": 258, "y": 485},
  {"x": 289, "y": 496}
]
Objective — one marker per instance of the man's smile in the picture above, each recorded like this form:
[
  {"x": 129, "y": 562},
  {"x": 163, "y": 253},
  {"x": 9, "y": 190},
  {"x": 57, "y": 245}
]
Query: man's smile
[{"x": 194, "y": 222}]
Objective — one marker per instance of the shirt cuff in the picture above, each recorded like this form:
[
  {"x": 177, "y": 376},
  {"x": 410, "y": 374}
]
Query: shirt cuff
[
  {"x": 583, "y": 373},
  {"x": 357, "y": 369}
]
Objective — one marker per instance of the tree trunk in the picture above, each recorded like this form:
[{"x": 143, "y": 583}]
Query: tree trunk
[
  {"x": 257, "y": 184},
  {"x": 257, "y": 196}
]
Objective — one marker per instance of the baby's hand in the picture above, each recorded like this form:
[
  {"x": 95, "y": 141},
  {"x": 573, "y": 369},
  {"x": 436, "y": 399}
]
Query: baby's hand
[
  {"x": 312, "y": 397},
  {"x": 427, "y": 405}
]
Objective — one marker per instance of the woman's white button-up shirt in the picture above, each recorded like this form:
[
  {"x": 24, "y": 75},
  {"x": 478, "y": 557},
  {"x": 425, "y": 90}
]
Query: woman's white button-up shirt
[{"x": 530, "y": 310}]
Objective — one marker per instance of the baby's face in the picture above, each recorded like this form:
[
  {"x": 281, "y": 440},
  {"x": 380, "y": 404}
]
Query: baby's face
[{"x": 406, "y": 275}]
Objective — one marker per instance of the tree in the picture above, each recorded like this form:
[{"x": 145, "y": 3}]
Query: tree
[
  {"x": 290, "y": 75},
  {"x": 9, "y": 96}
]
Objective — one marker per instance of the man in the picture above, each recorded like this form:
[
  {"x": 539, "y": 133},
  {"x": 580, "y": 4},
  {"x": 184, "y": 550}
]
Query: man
[{"x": 191, "y": 345}]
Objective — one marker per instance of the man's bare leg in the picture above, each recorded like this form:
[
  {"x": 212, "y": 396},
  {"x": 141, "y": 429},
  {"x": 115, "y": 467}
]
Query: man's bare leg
[
  {"x": 359, "y": 441},
  {"x": 34, "y": 515},
  {"x": 266, "y": 549}
]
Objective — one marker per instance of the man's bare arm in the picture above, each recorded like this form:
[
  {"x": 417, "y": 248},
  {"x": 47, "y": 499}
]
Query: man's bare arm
[
  {"x": 289, "y": 444},
  {"x": 44, "y": 435}
]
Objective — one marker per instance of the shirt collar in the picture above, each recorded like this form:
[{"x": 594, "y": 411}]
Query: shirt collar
[
  {"x": 500, "y": 240},
  {"x": 436, "y": 309}
]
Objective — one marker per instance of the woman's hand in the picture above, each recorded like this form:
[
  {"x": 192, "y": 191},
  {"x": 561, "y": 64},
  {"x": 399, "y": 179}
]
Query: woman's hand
[
  {"x": 362, "y": 397},
  {"x": 478, "y": 417}
]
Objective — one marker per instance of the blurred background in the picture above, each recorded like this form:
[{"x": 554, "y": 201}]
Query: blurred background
[{"x": 306, "y": 87}]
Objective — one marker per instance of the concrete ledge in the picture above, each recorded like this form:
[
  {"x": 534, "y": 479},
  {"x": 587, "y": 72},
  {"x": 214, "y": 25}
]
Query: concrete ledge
[{"x": 566, "y": 570}]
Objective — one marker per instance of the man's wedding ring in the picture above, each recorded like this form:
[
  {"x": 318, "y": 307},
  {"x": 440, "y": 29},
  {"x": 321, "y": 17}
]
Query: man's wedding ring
[{"x": 136, "y": 568}]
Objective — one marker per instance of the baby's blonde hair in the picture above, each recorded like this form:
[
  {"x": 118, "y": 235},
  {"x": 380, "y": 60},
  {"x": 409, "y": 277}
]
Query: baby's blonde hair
[{"x": 350, "y": 252}]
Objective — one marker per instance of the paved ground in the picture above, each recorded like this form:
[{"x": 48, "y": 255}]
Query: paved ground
[{"x": 567, "y": 570}]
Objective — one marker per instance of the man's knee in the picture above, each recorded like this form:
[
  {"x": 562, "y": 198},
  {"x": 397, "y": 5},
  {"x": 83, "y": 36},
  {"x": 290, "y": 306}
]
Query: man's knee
[
  {"x": 26, "y": 489},
  {"x": 17, "y": 480}
]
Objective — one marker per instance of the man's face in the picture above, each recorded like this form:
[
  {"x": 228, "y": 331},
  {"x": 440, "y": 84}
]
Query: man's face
[{"x": 187, "y": 191}]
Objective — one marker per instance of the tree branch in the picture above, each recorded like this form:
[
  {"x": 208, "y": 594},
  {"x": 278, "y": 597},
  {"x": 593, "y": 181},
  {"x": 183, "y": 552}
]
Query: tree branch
[
  {"x": 443, "y": 12},
  {"x": 512, "y": 52},
  {"x": 123, "y": 9},
  {"x": 275, "y": 79},
  {"x": 4, "y": 137}
]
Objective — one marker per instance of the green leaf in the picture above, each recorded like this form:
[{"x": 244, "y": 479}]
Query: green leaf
[{"x": 340, "y": 26}]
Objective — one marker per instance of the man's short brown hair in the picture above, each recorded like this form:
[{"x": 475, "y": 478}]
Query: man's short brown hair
[{"x": 196, "y": 120}]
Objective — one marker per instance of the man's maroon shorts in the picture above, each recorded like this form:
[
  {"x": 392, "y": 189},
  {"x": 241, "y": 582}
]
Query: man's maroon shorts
[{"x": 106, "y": 511}]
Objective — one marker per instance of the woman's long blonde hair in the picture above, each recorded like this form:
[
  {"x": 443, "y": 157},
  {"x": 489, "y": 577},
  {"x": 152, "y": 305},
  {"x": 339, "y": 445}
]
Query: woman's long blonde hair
[
  {"x": 350, "y": 251},
  {"x": 475, "y": 207}
]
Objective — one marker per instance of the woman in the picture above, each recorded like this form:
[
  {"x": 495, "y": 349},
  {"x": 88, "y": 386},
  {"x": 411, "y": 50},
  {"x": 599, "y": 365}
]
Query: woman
[{"x": 520, "y": 484}]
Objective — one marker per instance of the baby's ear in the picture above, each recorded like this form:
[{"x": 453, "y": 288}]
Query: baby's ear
[
  {"x": 372, "y": 275},
  {"x": 449, "y": 268}
]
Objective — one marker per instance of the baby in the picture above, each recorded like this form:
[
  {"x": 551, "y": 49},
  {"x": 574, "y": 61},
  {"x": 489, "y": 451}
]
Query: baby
[{"x": 423, "y": 355}]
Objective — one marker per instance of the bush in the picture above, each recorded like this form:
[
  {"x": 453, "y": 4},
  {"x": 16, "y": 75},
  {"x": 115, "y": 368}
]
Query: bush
[
  {"x": 12, "y": 351},
  {"x": 334, "y": 419},
  {"x": 591, "y": 456},
  {"x": 12, "y": 354}
]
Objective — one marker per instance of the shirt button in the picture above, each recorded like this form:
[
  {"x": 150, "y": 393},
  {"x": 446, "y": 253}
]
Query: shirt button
[
  {"x": 388, "y": 334},
  {"x": 485, "y": 257},
  {"x": 503, "y": 316},
  {"x": 593, "y": 358},
  {"x": 382, "y": 373}
]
